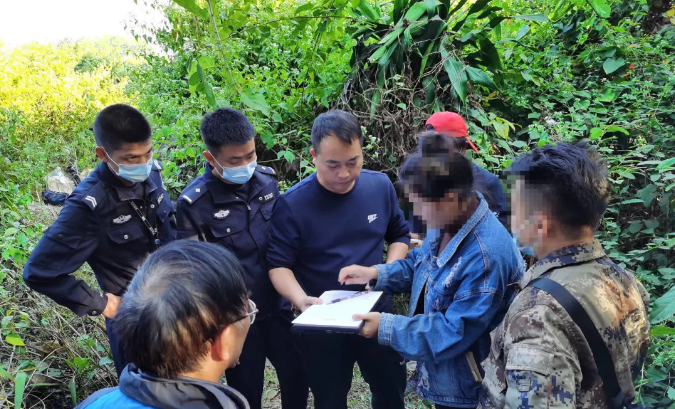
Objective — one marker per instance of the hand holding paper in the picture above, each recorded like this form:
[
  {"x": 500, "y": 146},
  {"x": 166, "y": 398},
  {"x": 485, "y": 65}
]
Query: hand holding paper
[{"x": 371, "y": 324}]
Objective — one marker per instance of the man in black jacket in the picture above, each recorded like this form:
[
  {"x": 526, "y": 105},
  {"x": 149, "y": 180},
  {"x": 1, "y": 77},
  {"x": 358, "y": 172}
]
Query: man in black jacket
[{"x": 182, "y": 322}]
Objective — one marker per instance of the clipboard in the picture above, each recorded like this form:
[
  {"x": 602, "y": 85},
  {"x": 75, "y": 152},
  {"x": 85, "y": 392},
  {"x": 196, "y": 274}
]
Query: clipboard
[{"x": 336, "y": 318}]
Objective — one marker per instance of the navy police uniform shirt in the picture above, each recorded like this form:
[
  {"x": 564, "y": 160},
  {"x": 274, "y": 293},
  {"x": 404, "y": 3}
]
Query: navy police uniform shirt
[
  {"x": 98, "y": 225},
  {"x": 315, "y": 232},
  {"x": 238, "y": 218}
]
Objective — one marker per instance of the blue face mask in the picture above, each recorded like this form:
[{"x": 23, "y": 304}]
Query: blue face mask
[
  {"x": 133, "y": 173},
  {"x": 237, "y": 175}
]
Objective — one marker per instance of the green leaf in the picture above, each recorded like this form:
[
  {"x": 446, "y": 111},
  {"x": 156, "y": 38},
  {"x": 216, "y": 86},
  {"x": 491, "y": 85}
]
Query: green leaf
[
  {"x": 305, "y": 7},
  {"x": 610, "y": 65},
  {"x": 666, "y": 164},
  {"x": 399, "y": 6},
  {"x": 377, "y": 54},
  {"x": 608, "y": 96},
  {"x": 629, "y": 201},
  {"x": 256, "y": 102},
  {"x": 206, "y": 62},
  {"x": 501, "y": 128},
  {"x": 289, "y": 156},
  {"x": 601, "y": 7},
  {"x": 614, "y": 128},
  {"x": 457, "y": 75},
  {"x": 542, "y": 18},
  {"x": 402, "y": 106},
  {"x": 662, "y": 331},
  {"x": 392, "y": 36},
  {"x": 527, "y": 76},
  {"x": 489, "y": 54},
  {"x": 19, "y": 387},
  {"x": 664, "y": 308},
  {"x": 194, "y": 79},
  {"x": 480, "y": 77},
  {"x": 14, "y": 339},
  {"x": 416, "y": 11},
  {"x": 431, "y": 7},
  {"x": 596, "y": 133},
  {"x": 192, "y": 7},
  {"x": 478, "y": 6},
  {"x": 522, "y": 32},
  {"x": 210, "y": 98},
  {"x": 73, "y": 392},
  {"x": 105, "y": 361},
  {"x": 10, "y": 231}
]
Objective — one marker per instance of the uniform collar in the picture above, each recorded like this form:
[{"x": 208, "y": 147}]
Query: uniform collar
[
  {"x": 125, "y": 192},
  {"x": 570, "y": 255},
  {"x": 434, "y": 236},
  {"x": 222, "y": 194}
]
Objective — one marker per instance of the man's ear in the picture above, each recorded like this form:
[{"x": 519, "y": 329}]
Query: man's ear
[
  {"x": 222, "y": 348},
  {"x": 313, "y": 153},
  {"x": 209, "y": 158},
  {"x": 100, "y": 153}
]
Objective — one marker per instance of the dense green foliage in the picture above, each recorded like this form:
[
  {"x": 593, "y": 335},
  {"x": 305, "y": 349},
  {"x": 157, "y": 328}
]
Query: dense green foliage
[{"x": 523, "y": 73}]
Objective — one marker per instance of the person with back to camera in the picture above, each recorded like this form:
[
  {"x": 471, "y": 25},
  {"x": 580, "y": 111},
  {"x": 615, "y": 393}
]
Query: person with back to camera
[
  {"x": 461, "y": 280},
  {"x": 577, "y": 334},
  {"x": 182, "y": 322}
]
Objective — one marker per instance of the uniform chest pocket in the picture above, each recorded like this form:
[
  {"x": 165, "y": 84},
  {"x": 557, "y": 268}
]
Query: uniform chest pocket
[
  {"x": 227, "y": 228},
  {"x": 266, "y": 210},
  {"x": 129, "y": 233},
  {"x": 164, "y": 209}
]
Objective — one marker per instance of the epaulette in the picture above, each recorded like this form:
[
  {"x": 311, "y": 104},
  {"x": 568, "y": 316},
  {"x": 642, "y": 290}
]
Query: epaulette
[
  {"x": 156, "y": 165},
  {"x": 94, "y": 196},
  {"x": 192, "y": 193},
  {"x": 266, "y": 170}
]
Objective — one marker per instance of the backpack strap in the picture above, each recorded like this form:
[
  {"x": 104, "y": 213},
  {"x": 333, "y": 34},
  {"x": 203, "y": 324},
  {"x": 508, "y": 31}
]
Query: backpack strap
[
  {"x": 93, "y": 397},
  {"x": 601, "y": 355}
]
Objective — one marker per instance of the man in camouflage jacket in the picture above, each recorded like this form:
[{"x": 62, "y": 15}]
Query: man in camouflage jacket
[{"x": 539, "y": 357}]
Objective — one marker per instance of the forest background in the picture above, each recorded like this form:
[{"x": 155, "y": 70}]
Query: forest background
[{"x": 524, "y": 73}]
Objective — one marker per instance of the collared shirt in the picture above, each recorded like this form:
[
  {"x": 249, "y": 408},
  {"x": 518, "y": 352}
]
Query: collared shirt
[
  {"x": 98, "y": 225},
  {"x": 539, "y": 357},
  {"x": 238, "y": 218}
]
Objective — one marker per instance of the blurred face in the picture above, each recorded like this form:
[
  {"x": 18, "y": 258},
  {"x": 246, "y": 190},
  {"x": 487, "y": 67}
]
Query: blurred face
[
  {"x": 231, "y": 156},
  {"x": 128, "y": 154},
  {"x": 436, "y": 214},
  {"x": 338, "y": 163},
  {"x": 530, "y": 227}
]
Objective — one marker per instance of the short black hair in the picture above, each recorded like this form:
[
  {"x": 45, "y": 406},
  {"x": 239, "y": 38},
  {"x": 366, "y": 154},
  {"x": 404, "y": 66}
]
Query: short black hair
[
  {"x": 340, "y": 124},
  {"x": 568, "y": 180},
  {"x": 437, "y": 168},
  {"x": 179, "y": 300},
  {"x": 224, "y": 127},
  {"x": 119, "y": 124}
]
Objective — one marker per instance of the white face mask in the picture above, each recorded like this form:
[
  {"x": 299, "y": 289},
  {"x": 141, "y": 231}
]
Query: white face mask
[
  {"x": 237, "y": 175},
  {"x": 133, "y": 173}
]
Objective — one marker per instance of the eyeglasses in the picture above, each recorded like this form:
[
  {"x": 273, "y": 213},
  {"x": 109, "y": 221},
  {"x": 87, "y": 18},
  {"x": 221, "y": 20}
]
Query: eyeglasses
[{"x": 252, "y": 310}]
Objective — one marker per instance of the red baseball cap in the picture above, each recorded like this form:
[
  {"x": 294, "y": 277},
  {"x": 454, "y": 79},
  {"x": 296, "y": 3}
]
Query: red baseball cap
[{"x": 450, "y": 124}]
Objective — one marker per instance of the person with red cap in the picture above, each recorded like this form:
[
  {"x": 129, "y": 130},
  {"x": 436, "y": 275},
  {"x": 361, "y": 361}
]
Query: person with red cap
[{"x": 452, "y": 125}]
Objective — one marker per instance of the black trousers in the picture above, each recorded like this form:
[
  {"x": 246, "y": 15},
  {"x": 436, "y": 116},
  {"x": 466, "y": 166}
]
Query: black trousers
[
  {"x": 115, "y": 346},
  {"x": 270, "y": 338},
  {"x": 329, "y": 360}
]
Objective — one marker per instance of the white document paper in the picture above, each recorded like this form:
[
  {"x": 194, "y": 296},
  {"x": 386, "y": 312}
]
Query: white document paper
[{"x": 339, "y": 314}]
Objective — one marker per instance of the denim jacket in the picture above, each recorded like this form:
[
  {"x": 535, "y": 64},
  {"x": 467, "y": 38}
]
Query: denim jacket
[{"x": 467, "y": 290}]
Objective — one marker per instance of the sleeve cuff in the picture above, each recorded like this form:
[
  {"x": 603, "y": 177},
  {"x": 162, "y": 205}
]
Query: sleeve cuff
[
  {"x": 99, "y": 303},
  {"x": 382, "y": 277},
  {"x": 385, "y": 329},
  {"x": 405, "y": 240}
]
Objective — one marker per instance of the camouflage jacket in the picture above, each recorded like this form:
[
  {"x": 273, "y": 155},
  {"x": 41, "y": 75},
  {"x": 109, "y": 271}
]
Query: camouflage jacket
[{"x": 540, "y": 359}]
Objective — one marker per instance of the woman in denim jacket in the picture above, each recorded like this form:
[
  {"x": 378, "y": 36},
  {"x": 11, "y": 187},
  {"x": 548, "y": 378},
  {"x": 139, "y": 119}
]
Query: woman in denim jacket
[{"x": 461, "y": 281}]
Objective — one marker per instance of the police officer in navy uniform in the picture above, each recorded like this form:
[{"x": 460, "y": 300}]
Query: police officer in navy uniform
[
  {"x": 113, "y": 220},
  {"x": 231, "y": 204}
]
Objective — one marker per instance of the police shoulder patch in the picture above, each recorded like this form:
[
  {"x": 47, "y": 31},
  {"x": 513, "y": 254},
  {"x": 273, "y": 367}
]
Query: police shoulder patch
[
  {"x": 266, "y": 170},
  {"x": 94, "y": 196},
  {"x": 192, "y": 193}
]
